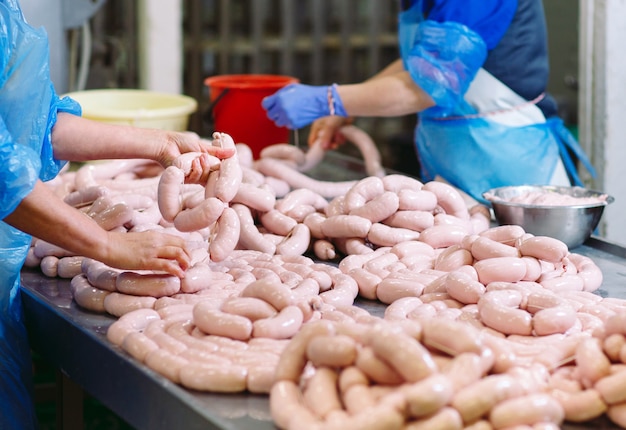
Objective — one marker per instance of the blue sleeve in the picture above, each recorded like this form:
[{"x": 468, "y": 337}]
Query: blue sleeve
[
  {"x": 50, "y": 166},
  {"x": 20, "y": 170},
  {"x": 28, "y": 110},
  {"x": 489, "y": 18},
  {"x": 443, "y": 60}
]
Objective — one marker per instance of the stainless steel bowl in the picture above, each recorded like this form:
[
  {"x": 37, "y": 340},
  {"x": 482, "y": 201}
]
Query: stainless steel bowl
[{"x": 572, "y": 223}]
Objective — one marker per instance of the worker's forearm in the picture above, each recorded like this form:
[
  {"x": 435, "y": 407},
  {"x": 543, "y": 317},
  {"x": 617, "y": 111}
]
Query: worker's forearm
[
  {"x": 391, "y": 69},
  {"x": 79, "y": 139},
  {"x": 391, "y": 95},
  {"x": 43, "y": 215}
]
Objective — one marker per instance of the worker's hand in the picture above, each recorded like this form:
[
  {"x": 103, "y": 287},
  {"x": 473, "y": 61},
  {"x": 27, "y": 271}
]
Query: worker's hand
[
  {"x": 147, "y": 250},
  {"x": 201, "y": 168},
  {"x": 178, "y": 143},
  {"x": 325, "y": 132},
  {"x": 297, "y": 105}
]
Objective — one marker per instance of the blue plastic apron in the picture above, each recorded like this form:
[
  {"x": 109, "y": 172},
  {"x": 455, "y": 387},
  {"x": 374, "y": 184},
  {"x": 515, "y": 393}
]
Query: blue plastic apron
[{"x": 28, "y": 111}]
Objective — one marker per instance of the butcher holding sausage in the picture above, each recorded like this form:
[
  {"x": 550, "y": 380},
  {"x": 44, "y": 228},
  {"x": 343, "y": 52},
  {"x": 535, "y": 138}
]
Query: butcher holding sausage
[
  {"x": 39, "y": 133},
  {"x": 473, "y": 86}
]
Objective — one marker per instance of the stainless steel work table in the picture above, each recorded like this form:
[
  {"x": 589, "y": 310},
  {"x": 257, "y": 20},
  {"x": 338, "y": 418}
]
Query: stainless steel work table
[{"x": 75, "y": 342}]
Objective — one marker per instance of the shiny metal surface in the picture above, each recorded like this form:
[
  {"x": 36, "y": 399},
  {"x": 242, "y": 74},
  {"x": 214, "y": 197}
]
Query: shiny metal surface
[
  {"x": 75, "y": 341},
  {"x": 570, "y": 224}
]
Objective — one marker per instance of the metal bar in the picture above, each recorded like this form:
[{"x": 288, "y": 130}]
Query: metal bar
[
  {"x": 317, "y": 48},
  {"x": 70, "y": 404},
  {"x": 288, "y": 36},
  {"x": 130, "y": 15},
  {"x": 374, "y": 36},
  {"x": 193, "y": 74},
  {"x": 225, "y": 37},
  {"x": 345, "y": 48},
  {"x": 256, "y": 35},
  {"x": 586, "y": 106}
]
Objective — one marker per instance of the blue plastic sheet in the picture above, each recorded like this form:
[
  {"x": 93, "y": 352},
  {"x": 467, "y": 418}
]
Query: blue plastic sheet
[
  {"x": 28, "y": 111},
  {"x": 441, "y": 57}
]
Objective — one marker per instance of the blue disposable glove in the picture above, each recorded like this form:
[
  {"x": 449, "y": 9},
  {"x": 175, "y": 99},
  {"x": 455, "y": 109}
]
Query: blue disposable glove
[{"x": 297, "y": 105}]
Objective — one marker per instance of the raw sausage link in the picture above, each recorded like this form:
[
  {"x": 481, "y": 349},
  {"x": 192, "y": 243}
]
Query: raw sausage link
[
  {"x": 293, "y": 359},
  {"x": 346, "y": 226},
  {"x": 118, "y": 304},
  {"x": 384, "y": 235},
  {"x": 362, "y": 192},
  {"x": 506, "y": 269},
  {"x": 544, "y": 248},
  {"x": 287, "y": 405},
  {"x": 285, "y": 152},
  {"x": 283, "y": 325},
  {"x": 214, "y": 377},
  {"x": 277, "y": 295},
  {"x": 321, "y": 394},
  {"x": 332, "y": 351},
  {"x": 379, "y": 208},
  {"x": 277, "y": 222},
  {"x": 215, "y": 322},
  {"x": 296, "y": 243},
  {"x": 199, "y": 217},
  {"x": 249, "y": 307},
  {"x": 527, "y": 410},
  {"x": 152, "y": 285},
  {"x": 367, "y": 147},
  {"x": 417, "y": 220},
  {"x": 449, "y": 198},
  {"x": 169, "y": 192},
  {"x": 250, "y": 237},
  {"x": 295, "y": 179},
  {"x": 86, "y": 296},
  {"x": 477, "y": 399},
  {"x": 450, "y": 337},
  {"x": 429, "y": 395},
  {"x": 407, "y": 356},
  {"x": 227, "y": 236}
]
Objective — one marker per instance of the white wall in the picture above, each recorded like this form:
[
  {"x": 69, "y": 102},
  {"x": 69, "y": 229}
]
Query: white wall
[
  {"x": 48, "y": 14},
  {"x": 602, "y": 105},
  {"x": 58, "y": 16},
  {"x": 160, "y": 45}
]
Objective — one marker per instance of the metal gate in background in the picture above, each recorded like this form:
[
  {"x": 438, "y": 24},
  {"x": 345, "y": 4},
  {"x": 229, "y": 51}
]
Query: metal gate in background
[{"x": 317, "y": 41}]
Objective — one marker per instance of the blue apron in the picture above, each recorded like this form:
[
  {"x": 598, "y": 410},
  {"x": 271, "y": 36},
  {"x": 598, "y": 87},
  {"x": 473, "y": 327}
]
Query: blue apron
[
  {"x": 465, "y": 147},
  {"x": 28, "y": 111}
]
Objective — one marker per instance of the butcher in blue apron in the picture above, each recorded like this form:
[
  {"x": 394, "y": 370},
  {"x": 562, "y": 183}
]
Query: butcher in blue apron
[
  {"x": 37, "y": 127},
  {"x": 475, "y": 72}
]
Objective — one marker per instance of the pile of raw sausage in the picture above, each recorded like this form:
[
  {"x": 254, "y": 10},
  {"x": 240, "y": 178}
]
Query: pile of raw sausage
[{"x": 485, "y": 327}]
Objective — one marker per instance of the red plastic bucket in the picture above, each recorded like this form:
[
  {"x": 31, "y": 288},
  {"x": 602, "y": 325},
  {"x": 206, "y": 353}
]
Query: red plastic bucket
[{"x": 235, "y": 106}]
